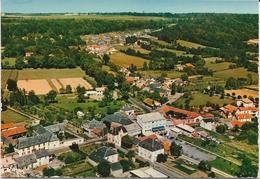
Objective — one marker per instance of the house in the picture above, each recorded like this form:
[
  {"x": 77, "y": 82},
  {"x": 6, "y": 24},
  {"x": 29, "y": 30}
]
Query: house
[
  {"x": 149, "y": 149},
  {"x": 34, "y": 160},
  {"x": 44, "y": 139},
  {"x": 9, "y": 132},
  {"x": 152, "y": 103},
  {"x": 80, "y": 114},
  {"x": 103, "y": 154},
  {"x": 189, "y": 65},
  {"x": 28, "y": 54},
  {"x": 245, "y": 102},
  {"x": 244, "y": 117},
  {"x": 180, "y": 116},
  {"x": 186, "y": 130},
  {"x": 146, "y": 172},
  {"x": 8, "y": 164},
  {"x": 116, "y": 169},
  {"x": 94, "y": 128},
  {"x": 151, "y": 122},
  {"x": 248, "y": 110},
  {"x": 97, "y": 94},
  {"x": 208, "y": 124},
  {"x": 233, "y": 124},
  {"x": 174, "y": 132},
  {"x": 179, "y": 67},
  {"x": 115, "y": 135},
  {"x": 119, "y": 118},
  {"x": 133, "y": 129},
  {"x": 128, "y": 110},
  {"x": 228, "y": 110}
]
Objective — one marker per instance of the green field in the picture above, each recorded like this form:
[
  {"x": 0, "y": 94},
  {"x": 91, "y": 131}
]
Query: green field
[
  {"x": 9, "y": 61},
  {"x": 238, "y": 72},
  {"x": 76, "y": 168},
  {"x": 211, "y": 65},
  {"x": 69, "y": 102},
  {"x": 11, "y": 116},
  {"x": 125, "y": 60},
  {"x": 177, "y": 52},
  {"x": 155, "y": 73},
  {"x": 8, "y": 74},
  {"x": 50, "y": 73},
  {"x": 189, "y": 44},
  {"x": 202, "y": 99},
  {"x": 225, "y": 166}
]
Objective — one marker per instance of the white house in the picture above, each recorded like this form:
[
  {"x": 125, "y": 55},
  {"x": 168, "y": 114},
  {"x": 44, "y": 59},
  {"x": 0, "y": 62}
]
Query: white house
[
  {"x": 31, "y": 161},
  {"x": 208, "y": 124},
  {"x": 149, "y": 149},
  {"x": 151, "y": 122},
  {"x": 115, "y": 135},
  {"x": 186, "y": 130},
  {"x": 245, "y": 103},
  {"x": 133, "y": 129},
  {"x": 97, "y": 94}
]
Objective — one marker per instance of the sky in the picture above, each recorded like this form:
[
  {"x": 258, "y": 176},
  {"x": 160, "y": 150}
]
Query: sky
[{"x": 173, "y": 6}]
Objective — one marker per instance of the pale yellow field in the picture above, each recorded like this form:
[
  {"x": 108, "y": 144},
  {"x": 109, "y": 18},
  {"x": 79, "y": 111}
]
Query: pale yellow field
[
  {"x": 40, "y": 87},
  {"x": 124, "y": 60},
  {"x": 242, "y": 92},
  {"x": 189, "y": 44},
  {"x": 75, "y": 82}
]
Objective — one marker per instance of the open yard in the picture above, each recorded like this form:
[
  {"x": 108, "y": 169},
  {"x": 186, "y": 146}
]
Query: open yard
[
  {"x": 242, "y": 92},
  {"x": 212, "y": 65},
  {"x": 177, "y": 52},
  {"x": 124, "y": 60},
  {"x": 76, "y": 168},
  {"x": 238, "y": 72},
  {"x": 10, "y": 62},
  {"x": 155, "y": 73},
  {"x": 202, "y": 99},
  {"x": 189, "y": 44},
  {"x": 11, "y": 116},
  {"x": 31, "y": 74}
]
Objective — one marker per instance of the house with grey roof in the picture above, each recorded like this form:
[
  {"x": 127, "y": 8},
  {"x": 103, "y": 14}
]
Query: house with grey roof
[
  {"x": 34, "y": 160},
  {"x": 94, "y": 128},
  {"x": 43, "y": 138},
  {"x": 103, "y": 153},
  {"x": 119, "y": 118},
  {"x": 116, "y": 169},
  {"x": 149, "y": 149},
  {"x": 115, "y": 135}
]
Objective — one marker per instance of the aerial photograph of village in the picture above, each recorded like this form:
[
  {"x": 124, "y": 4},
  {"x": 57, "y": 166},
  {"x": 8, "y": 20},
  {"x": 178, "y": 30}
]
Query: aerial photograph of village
[{"x": 129, "y": 88}]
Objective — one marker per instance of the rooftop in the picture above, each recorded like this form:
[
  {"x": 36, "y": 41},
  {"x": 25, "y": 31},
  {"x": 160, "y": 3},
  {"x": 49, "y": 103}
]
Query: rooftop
[
  {"x": 186, "y": 127},
  {"x": 101, "y": 153},
  {"x": 119, "y": 118},
  {"x": 150, "y": 117},
  {"x": 14, "y": 131},
  {"x": 7, "y": 126},
  {"x": 166, "y": 109},
  {"x": 151, "y": 145},
  {"x": 116, "y": 130}
]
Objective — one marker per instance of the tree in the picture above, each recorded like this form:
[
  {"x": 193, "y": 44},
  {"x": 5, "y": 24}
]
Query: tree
[
  {"x": 74, "y": 147},
  {"x": 131, "y": 39},
  {"x": 125, "y": 164},
  {"x": 103, "y": 169},
  {"x": 247, "y": 169},
  {"x": 184, "y": 77},
  {"x": 127, "y": 142},
  {"x": 68, "y": 89},
  {"x": 11, "y": 85},
  {"x": 33, "y": 99},
  {"x": 130, "y": 154},
  {"x": 204, "y": 165},
  {"x": 9, "y": 149},
  {"x": 174, "y": 89},
  {"x": 162, "y": 158},
  {"x": 106, "y": 59},
  {"x": 176, "y": 150},
  {"x": 212, "y": 175},
  {"x": 51, "y": 96},
  {"x": 48, "y": 172},
  {"x": 221, "y": 129}
]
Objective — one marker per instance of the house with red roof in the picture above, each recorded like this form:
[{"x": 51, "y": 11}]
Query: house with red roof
[{"x": 181, "y": 116}]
